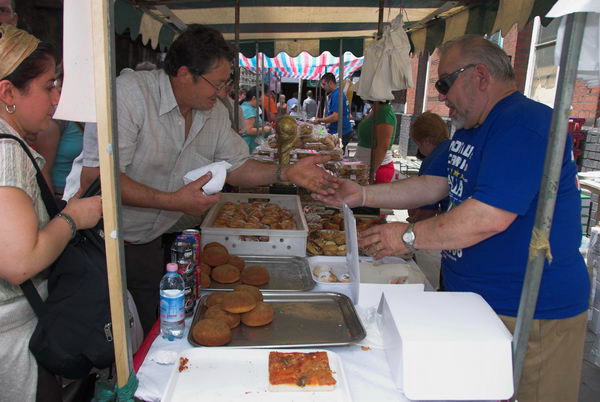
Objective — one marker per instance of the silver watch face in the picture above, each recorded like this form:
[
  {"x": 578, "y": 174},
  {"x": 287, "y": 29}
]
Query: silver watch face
[{"x": 408, "y": 237}]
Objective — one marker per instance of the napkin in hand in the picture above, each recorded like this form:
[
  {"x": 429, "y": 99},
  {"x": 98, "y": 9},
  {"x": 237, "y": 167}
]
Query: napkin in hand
[{"x": 214, "y": 185}]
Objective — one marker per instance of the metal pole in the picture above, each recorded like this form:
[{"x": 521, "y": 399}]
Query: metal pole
[
  {"x": 258, "y": 97},
  {"x": 236, "y": 70},
  {"x": 340, "y": 123},
  {"x": 375, "y": 105},
  {"x": 299, "y": 107},
  {"x": 104, "y": 61},
  {"x": 547, "y": 199}
]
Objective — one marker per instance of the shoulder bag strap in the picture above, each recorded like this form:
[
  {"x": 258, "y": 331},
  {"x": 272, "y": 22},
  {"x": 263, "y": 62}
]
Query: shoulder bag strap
[
  {"x": 29, "y": 290},
  {"x": 47, "y": 196}
]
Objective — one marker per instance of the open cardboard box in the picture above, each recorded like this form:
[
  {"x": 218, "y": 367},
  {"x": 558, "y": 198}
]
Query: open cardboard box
[{"x": 446, "y": 345}]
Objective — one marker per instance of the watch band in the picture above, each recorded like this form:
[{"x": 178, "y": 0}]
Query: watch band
[{"x": 409, "y": 245}]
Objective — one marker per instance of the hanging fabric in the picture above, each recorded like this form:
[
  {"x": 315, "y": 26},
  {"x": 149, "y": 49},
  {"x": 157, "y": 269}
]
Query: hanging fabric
[{"x": 386, "y": 67}]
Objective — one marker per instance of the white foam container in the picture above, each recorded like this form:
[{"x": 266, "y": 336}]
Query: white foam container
[
  {"x": 276, "y": 242},
  {"x": 446, "y": 346}
]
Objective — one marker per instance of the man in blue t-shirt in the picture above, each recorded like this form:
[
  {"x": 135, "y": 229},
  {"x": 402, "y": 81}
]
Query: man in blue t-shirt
[
  {"x": 492, "y": 174},
  {"x": 329, "y": 84}
]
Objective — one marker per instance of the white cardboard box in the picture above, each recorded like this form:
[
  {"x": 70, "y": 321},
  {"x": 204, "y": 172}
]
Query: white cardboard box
[{"x": 446, "y": 345}]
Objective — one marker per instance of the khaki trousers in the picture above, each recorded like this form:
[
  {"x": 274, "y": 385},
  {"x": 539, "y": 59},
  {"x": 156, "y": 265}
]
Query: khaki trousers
[{"x": 552, "y": 369}]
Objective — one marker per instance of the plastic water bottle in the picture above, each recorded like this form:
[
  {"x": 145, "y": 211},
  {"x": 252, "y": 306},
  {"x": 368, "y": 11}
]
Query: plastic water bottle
[{"x": 172, "y": 312}]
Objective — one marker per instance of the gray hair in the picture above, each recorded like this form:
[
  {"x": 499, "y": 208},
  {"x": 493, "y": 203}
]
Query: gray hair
[{"x": 477, "y": 49}]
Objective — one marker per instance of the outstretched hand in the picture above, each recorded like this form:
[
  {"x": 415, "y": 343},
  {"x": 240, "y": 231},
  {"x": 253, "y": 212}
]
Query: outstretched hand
[
  {"x": 308, "y": 173},
  {"x": 342, "y": 192}
]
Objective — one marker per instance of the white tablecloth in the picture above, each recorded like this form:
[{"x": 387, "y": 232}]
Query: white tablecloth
[{"x": 367, "y": 371}]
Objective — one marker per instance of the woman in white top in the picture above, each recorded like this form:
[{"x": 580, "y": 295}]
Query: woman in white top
[{"x": 29, "y": 240}]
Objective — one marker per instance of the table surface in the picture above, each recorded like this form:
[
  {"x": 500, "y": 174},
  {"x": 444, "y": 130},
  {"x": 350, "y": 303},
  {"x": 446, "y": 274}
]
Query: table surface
[{"x": 366, "y": 369}]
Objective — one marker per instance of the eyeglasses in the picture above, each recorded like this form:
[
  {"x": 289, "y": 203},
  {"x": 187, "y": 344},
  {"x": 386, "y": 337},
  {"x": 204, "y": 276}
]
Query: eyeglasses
[
  {"x": 218, "y": 87},
  {"x": 446, "y": 81}
]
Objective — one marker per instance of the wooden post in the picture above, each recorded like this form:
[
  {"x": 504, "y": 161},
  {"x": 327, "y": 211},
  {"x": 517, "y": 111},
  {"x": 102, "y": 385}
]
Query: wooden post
[{"x": 104, "y": 73}]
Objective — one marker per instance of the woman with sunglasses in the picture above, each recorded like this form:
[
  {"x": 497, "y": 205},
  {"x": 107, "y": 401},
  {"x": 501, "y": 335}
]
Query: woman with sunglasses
[{"x": 29, "y": 240}]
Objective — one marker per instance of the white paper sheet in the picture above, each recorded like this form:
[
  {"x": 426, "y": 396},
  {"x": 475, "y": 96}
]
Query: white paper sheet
[{"x": 77, "y": 100}]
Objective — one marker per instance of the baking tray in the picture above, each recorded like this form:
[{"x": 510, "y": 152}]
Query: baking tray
[
  {"x": 287, "y": 274},
  {"x": 233, "y": 375},
  {"x": 308, "y": 319}
]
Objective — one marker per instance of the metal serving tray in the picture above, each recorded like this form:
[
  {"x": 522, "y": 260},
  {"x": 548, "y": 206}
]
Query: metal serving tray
[
  {"x": 308, "y": 319},
  {"x": 287, "y": 274}
]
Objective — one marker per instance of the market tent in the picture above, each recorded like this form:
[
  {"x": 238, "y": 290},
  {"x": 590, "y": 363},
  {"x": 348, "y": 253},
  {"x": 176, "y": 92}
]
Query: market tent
[
  {"x": 294, "y": 26},
  {"x": 290, "y": 26},
  {"x": 304, "y": 65}
]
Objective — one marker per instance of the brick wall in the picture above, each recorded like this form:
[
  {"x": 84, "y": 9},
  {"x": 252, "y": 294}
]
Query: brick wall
[
  {"x": 586, "y": 102},
  {"x": 410, "y": 92}
]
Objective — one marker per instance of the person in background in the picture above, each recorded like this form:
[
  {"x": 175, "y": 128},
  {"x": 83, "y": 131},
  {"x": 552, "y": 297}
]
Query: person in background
[
  {"x": 270, "y": 105},
  {"x": 430, "y": 134},
  {"x": 7, "y": 12},
  {"x": 329, "y": 84},
  {"x": 30, "y": 240},
  {"x": 385, "y": 133},
  {"x": 282, "y": 108},
  {"x": 253, "y": 126},
  {"x": 309, "y": 106},
  {"x": 292, "y": 101},
  {"x": 242, "y": 95},
  {"x": 226, "y": 98},
  {"x": 492, "y": 174},
  {"x": 59, "y": 144}
]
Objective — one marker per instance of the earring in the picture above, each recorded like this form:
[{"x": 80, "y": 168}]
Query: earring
[{"x": 10, "y": 109}]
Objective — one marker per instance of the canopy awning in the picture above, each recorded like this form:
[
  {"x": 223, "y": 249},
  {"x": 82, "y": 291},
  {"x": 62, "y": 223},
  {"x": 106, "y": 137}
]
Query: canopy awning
[
  {"x": 304, "y": 65},
  {"x": 316, "y": 26},
  {"x": 289, "y": 26}
]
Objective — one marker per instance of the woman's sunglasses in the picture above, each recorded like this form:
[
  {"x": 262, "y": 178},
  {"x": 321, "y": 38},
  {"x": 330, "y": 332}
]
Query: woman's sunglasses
[{"x": 445, "y": 82}]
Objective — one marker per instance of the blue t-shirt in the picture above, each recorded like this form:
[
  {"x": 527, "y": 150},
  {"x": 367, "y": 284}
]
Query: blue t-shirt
[
  {"x": 500, "y": 164},
  {"x": 69, "y": 147},
  {"x": 440, "y": 151},
  {"x": 332, "y": 107},
  {"x": 250, "y": 112}
]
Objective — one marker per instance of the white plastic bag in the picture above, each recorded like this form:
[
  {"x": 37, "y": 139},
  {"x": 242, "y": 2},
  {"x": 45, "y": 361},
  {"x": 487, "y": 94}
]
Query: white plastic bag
[{"x": 386, "y": 66}]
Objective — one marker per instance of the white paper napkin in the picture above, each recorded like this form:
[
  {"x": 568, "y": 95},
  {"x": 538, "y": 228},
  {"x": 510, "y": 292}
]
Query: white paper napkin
[{"x": 219, "y": 173}]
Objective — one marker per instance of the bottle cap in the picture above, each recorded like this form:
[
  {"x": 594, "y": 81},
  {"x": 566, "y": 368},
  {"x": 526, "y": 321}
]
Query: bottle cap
[{"x": 172, "y": 267}]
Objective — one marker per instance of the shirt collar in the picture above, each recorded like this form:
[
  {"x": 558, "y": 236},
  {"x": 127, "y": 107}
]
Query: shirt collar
[{"x": 167, "y": 97}]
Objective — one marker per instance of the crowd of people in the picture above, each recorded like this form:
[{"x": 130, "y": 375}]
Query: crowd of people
[{"x": 466, "y": 201}]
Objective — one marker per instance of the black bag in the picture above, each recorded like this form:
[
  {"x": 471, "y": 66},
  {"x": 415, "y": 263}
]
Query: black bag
[{"x": 74, "y": 331}]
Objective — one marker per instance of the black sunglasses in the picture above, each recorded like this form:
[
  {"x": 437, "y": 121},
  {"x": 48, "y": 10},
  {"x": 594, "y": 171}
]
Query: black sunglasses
[{"x": 445, "y": 82}]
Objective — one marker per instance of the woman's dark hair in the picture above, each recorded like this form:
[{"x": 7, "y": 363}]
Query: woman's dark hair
[
  {"x": 198, "y": 48},
  {"x": 250, "y": 94},
  {"x": 34, "y": 65}
]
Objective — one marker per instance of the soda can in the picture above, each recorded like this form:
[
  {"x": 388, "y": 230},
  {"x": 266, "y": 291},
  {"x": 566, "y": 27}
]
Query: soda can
[
  {"x": 182, "y": 253},
  {"x": 189, "y": 293},
  {"x": 195, "y": 233}
]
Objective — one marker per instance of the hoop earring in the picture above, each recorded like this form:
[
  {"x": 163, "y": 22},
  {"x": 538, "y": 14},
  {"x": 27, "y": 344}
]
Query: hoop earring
[{"x": 10, "y": 109}]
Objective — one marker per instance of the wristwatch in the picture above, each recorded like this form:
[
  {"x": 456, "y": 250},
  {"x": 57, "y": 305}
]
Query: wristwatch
[{"x": 408, "y": 238}]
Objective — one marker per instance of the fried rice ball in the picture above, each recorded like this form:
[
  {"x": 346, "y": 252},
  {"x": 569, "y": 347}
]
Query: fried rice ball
[
  {"x": 255, "y": 275},
  {"x": 211, "y": 332}
]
